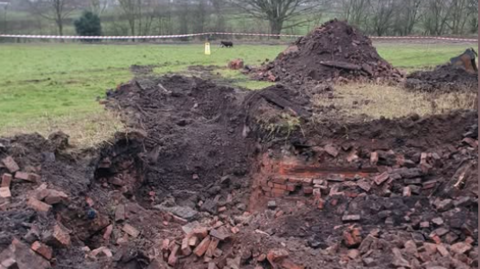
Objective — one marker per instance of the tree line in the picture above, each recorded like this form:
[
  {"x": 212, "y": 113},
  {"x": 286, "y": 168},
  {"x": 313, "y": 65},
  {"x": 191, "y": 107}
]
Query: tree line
[{"x": 151, "y": 17}]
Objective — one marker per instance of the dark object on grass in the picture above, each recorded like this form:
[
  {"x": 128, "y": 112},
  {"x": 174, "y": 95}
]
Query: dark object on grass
[{"x": 228, "y": 44}]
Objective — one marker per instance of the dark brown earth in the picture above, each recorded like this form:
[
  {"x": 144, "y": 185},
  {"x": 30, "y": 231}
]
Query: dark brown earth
[
  {"x": 191, "y": 157},
  {"x": 335, "y": 51},
  {"x": 444, "y": 78}
]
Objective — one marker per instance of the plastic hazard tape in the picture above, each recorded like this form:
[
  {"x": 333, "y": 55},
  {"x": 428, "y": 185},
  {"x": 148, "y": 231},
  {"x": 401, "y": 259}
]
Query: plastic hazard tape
[{"x": 218, "y": 33}]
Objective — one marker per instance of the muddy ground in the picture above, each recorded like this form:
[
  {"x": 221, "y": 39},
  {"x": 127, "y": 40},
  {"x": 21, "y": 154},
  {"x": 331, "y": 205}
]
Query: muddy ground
[{"x": 210, "y": 176}]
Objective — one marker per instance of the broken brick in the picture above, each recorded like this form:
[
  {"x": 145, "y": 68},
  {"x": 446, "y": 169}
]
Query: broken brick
[
  {"x": 288, "y": 264},
  {"x": 460, "y": 248},
  {"x": 108, "y": 232},
  {"x": 132, "y": 231},
  {"x": 350, "y": 218},
  {"x": 42, "y": 249},
  {"x": 307, "y": 190},
  {"x": 6, "y": 180},
  {"x": 352, "y": 237},
  {"x": 429, "y": 185},
  {"x": 202, "y": 247},
  {"x": 120, "y": 213},
  {"x": 444, "y": 205},
  {"x": 10, "y": 164},
  {"x": 221, "y": 234},
  {"x": 5, "y": 192},
  {"x": 55, "y": 197},
  {"x": 38, "y": 206},
  {"x": 200, "y": 232},
  {"x": 381, "y": 178},
  {"x": 442, "y": 250},
  {"x": 193, "y": 241},
  {"x": 212, "y": 247},
  {"x": 374, "y": 158},
  {"x": 60, "y": 236},
  {"x": 407, "y": 192},
  {"x": 172, "y": 259},
  {"x": 276, "y": 255},
  {"x": 186, "y": 250},
  {"x": 235, "y": 230},
  {"x": 331, "y": 150}
]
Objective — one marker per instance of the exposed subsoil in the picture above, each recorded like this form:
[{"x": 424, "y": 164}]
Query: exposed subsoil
[
  {"x": 335, "y": 51},
  {"x": 445, "y": 78}
]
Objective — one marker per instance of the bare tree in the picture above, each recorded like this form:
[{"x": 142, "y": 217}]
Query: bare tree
[
  {"x": 356, "y": 12},
  {"x": 435, "y": 16},
  {"x": 219, "y": 9},
  {"x": 473, "y": 8},
  {"x": 99, "y": 6},
  {"x": 460, "y": 11},
  {"x": 53, "y": 10},
  {"x": 406, "y": 17},
  {"x": 277, "y": 12},
  {"x": 381, "y": 18}
]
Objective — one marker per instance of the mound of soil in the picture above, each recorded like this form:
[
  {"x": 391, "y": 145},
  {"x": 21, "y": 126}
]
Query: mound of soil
[
  {"x": 334, "y": 51},
  {"x": 443, "y": 78}
]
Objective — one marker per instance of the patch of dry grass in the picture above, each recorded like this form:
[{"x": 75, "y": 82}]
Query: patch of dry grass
[
  {"x": 376, "y": 100},
  {"x": 87, "y": 130}
]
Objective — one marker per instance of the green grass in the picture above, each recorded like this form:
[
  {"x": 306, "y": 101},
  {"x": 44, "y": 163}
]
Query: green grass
[{"x": 50, "y": 86}]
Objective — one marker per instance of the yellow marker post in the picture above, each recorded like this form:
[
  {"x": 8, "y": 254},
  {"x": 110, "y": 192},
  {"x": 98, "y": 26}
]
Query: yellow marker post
[{"x": 207, "y": 48}]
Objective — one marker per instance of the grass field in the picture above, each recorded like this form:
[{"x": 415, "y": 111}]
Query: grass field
[{"x": 55, "y": 86}]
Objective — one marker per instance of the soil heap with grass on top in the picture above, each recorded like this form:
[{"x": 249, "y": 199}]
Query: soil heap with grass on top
[{"x": 334, "y": 51}]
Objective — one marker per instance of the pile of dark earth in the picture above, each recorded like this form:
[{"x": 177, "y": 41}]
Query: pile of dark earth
[
  {"x": 444, "y": 78},
  {"x": 335, "y": 51}
]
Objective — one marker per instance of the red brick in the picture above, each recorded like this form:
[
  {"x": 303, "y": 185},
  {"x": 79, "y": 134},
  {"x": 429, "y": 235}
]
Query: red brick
[
  {"x": 303, "y": 181},
  {"x": 212, "y": 247},
  {"x": 307, "y": 190},
  {"x": 193, "y": 241},
  {"x": 42, "y": 249},
  {"x": 279, "y": 180},
  {"x": 186, "y": 250},
  {"x": 381, "y": 178},
  {"x": 165, "y": 245},
  {"x": 200, "y": 232},
  {"x": 38, "y": 205},
  {"x": 132, "y": 231},
  {"x": 407, "y": 191},
  {"x": 266, "y": 189},
  {"x": 5, "y": 192},
  {"x": 270, "y": 184},
  {"x": 352, "y": 238},
  {"x": 278, "y": 192},
  {"x": 290, "y": 187},
  {"x": 288, "y": 264},
  {"x": 172, "y": 259},
  {"x": 108, "y": 232},
  {"x": 280, "y": 186},
  {"x": 276, "y": 255},
  {"x": 235, "y": 230},
  {"x": 6, "y": 180},
  {"x": 55, "y": 197},
  {"x": 374, "y": 158},
  {"x": 22, "y": 176},
  {"x": 61, "y": 236},
  {"x": 11, "y": 165},
  {"x": 202, "y": 247}
]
